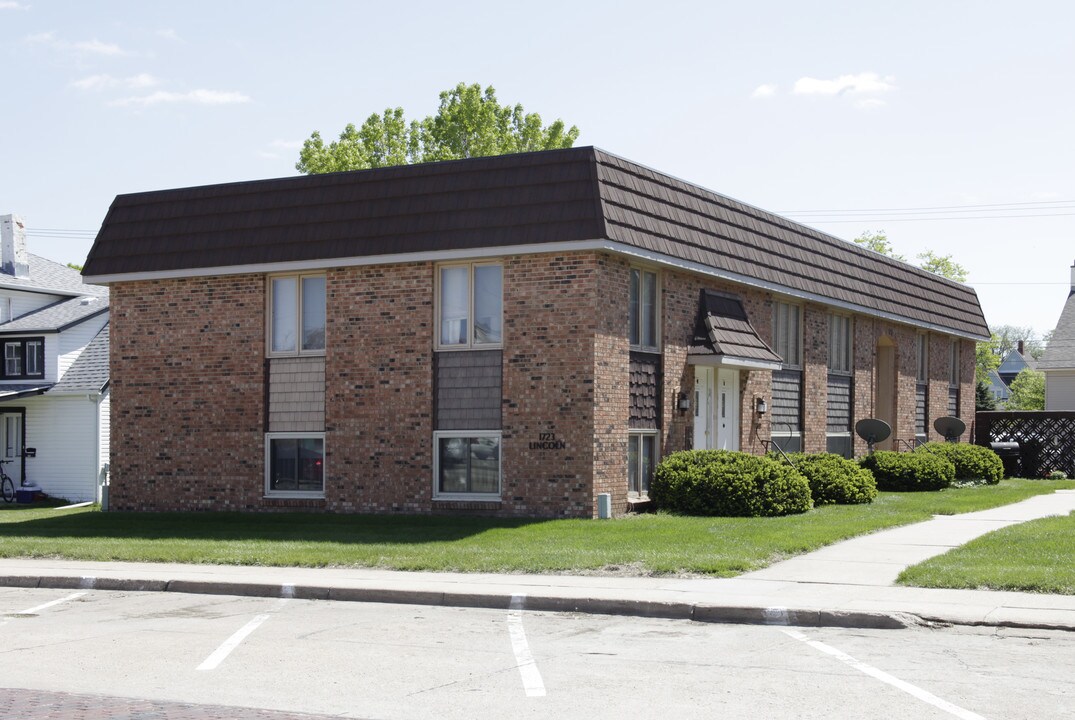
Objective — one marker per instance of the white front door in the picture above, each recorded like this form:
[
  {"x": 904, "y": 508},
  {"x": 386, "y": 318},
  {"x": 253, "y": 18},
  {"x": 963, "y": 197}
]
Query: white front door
[
  {"x": 727, "y": 409},
  {"x": 703, "y": 408},
  {"x": 11, "y": 445}
]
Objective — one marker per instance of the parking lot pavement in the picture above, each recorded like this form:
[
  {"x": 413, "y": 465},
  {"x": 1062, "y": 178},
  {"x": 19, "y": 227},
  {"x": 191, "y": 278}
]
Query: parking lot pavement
[
  {"x": 198, "y": 654},
  {"x": 45, "y": 705}
]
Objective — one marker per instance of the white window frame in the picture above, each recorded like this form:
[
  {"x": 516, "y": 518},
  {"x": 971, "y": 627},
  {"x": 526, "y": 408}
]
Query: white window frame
[
  {"x": 953, "y": 362},
  {"x": 269, "y": 437},
  {"x": 642, "y": 271},
  {"x": 438, "y": 435},
  {"x": 922, "y": 359},
  {"x": 639, "y": 434},
  {"x": 298, "y": 278},
  {"x": 837, "y": 320},
  {"x": 470, "y": 344},
  {"x": 795, "y": 363}
]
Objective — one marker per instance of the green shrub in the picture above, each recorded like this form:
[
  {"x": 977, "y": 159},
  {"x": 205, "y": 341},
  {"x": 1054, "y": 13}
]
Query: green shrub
[
  {"x": 835, "y": 480},
  {"x": 973, "y": 463},
  {"x": 722, "y": 482},
  {"x": 909, "y": 471}
]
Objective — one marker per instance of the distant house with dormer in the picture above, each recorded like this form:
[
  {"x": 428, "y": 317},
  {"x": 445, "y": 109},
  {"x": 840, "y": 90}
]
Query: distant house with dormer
[
  {"x": 1015, "y": 362},
  {"x": 54, "y": 383},
  {"x": 1058, "y": 362}
]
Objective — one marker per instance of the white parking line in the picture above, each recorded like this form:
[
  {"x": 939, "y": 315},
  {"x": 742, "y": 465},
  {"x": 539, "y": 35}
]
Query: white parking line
[
  {"x": 886, "y": 678},
  {"x": 528, "y": 670},
  {"x": 44, "y": 606},
  {"x": 211, "y": 662}
]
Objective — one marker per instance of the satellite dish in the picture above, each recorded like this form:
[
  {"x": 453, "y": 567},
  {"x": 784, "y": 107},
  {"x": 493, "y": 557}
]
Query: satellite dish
[
  {"x": 872, "y": 431},
  {"x": 950, "y": 427}
]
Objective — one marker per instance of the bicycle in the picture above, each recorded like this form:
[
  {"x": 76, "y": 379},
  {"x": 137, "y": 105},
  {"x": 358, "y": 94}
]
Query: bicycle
[{"x": 7, "y": 485}]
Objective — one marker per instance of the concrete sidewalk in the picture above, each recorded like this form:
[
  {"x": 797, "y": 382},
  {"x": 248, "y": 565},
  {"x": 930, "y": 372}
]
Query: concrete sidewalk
[{"x": 848, "y": 584}]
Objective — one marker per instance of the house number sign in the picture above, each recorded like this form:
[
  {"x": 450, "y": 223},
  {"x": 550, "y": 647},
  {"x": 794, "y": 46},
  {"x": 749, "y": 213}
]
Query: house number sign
[{"x": 548, "y": 441}]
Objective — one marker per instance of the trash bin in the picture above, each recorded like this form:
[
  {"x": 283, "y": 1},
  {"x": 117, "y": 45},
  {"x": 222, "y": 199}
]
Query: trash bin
[{"x": 1010, "y": 456}]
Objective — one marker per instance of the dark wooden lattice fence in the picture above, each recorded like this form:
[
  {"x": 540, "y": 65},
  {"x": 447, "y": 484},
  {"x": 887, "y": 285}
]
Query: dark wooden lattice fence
[{"x": 1046, "y": 439}]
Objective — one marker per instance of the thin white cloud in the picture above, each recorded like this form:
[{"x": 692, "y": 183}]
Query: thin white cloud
[
  {"x": 169, "y": 34},
  {"x": 105, "y": 82},
  {"x": 268, "y": 155},
  {"x": 10, "y": 5},
  {"x": 870, "y": 104},
  {"x": 97, "y": 47},
  {"x": 44, "y": 38},
  {"x": 194, "y": 97},
  {"x": 864, "y": 83},
  {"x": 287, "y": 144},
  {"x": 764, "y": 91}
]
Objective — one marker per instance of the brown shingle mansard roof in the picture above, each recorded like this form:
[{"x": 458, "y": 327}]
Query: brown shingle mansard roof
[{"x": 560, "y": 196}]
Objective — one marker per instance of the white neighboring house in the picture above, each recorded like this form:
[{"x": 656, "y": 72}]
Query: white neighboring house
[
  {"x": 1058, "y": 362},
  {"x": 54, "y": 410}
]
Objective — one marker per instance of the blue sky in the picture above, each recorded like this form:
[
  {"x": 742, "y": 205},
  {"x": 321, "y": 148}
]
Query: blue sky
[{"x": 965, "y": 109}]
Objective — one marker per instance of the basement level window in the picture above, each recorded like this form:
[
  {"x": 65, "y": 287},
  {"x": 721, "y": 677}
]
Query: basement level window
[
  {"x": 467, "y": 465},
  {"x": 295, "y": 465}
]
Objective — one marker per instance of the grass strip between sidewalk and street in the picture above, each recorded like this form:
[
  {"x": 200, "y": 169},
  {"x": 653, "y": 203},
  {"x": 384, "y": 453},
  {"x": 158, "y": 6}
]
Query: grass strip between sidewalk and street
[
  {"x": 644, "y": 544},
  {"x": 1035, "y": 556}
]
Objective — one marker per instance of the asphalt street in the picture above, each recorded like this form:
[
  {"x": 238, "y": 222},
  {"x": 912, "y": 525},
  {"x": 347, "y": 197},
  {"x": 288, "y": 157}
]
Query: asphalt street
[{"x": 88, "y": 654}]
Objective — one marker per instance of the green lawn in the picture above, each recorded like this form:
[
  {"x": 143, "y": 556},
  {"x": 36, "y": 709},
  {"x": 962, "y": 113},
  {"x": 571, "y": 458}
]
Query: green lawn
[
  {"x": 1037, "y": 556},
  {"x": 641, "y": 545}
]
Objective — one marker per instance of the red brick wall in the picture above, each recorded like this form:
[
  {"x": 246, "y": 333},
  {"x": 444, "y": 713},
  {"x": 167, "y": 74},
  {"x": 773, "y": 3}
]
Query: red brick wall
[
  {"x": 611, "y": 366},
  {"x": 815, "y": 377},
  {"x": 378, "y": 388},
  {"x": 188, "y": 374}
]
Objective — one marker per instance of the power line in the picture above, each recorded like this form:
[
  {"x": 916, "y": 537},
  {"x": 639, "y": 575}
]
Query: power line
[
  {"x": 930, "y": 207},
  {"x": 823, "y": 221}
]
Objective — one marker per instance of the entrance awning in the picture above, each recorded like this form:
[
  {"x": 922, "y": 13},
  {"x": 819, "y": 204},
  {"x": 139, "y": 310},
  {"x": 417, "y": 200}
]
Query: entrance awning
[
  {"x": 723, "y": 336},
  {"x": 14, "y": 392}
]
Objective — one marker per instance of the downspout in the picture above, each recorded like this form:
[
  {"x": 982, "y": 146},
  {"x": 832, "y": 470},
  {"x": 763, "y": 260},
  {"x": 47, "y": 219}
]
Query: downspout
[{"x": 96, "y": 400}]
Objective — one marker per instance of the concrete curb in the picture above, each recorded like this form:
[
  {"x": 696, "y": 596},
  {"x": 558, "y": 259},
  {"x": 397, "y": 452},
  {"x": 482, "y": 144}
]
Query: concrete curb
[{"x": 697, "y": 612}]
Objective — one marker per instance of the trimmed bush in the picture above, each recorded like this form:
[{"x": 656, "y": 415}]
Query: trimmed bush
[
  {"x": 909, "y": 471},
  {"x": 722, "y": 482},
  {"x": 973, "y": 463},
  {"x": 835, "y": 480}
]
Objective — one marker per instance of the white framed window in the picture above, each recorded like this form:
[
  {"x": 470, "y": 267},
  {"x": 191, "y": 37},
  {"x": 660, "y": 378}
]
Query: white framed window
[
  {"x": 641, "y": 461},
  {"x": 840, "y": 350},
  {"x": 296, "y": 315},
  {"x": 922, "y": 353},
  {"x": 466, "y": 465},
  {"x": 787, "y": 333},
  {"x": 643, "y": 310},
  {"x": 24, "y": 358},
  {"x": 295, "y": 464},
  {"x": 470, "y": 306}
]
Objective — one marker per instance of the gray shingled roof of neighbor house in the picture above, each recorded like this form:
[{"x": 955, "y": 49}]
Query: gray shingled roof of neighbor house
[
  {"x": 579, "y": 197},
  {"x": 56, "y": 317},
  {"x": 1060, "y": 352},
  {"x": 52, "y": 277},
  {"x": 89, "y": 372}
]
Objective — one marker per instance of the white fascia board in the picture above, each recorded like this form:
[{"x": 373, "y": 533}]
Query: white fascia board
[
  {"x": 732, "y": 362},
  {"x": 533, "y": 248}
]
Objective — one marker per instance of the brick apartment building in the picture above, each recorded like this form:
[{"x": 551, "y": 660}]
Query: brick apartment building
[{"x": 510, "y": 335}]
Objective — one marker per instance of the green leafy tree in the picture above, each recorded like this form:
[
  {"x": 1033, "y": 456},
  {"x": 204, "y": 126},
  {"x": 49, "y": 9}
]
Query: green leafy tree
[
  {"x": 986, "y": 358},
  {"x": 75, "y": 266},
  {"x": 942, "y": 265},
  {"x": 1028, "y": 391},
  {"x": 878, "y": 242},
  {"x": 470, "y": 122},
  {"x": 1008, "y": 337}
]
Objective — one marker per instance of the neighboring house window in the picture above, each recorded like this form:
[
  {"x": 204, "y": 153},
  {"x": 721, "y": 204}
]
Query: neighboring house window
[
  {"x": 953, "y": 379},
  {"x": 922, "y": 389},
  {"x": 5, "y": 310},
  {"x": 788, "y": 381},
  {"x": 643, "y": 310},
  {"x": 641, "y": 461},
  {"x": 466, "y": 465},
  {"x": 24, "y": 358},
  {"x": 839, "y": 407},
  {"x": 297, "y": 315},
  {"x": 471, "y": 300},
  {"x": 295, "y": 464}
]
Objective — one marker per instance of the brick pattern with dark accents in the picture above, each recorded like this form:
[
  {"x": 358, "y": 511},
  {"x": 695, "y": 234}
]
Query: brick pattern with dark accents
[{"x": 645, "y": 390}]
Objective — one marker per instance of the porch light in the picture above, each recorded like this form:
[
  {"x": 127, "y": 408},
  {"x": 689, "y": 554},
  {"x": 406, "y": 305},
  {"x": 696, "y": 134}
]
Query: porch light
[
  {"x": 761, "y": 406},
  {"x": 684, "y": 402}
]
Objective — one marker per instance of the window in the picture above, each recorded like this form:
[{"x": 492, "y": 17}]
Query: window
[
  {"x": 12, "y": 436},
  {"x": 787, "y": 341},
  {"x": 24, "y": 358},
  {"x": 643, "y": 310},
  {"x": 641, "y": 461},
  {"x": 922, "y": 389},
  {"x": 467, "y": 465},
  {"x": 923, "y": 358},
  {"x": 839, "y": 344},
  {"x": 471, "y": 299},
  {"x": 953, "y": 375},
  {"x": 295, "y": 464},
  {"x": 297, "y": 315}
]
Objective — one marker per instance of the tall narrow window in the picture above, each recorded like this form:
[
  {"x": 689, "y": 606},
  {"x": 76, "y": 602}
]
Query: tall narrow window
[
  {"x": 839, "y": 409},
  {"x": 642, "y": 310},
  {"x": 641, "y": 461},
  {"x": 297, "y": 310},
  {"x": 786, "y": 417},
  {"x": 953, "y": 379},
  {"x": 922, "y": 389},
  {"x": 13, "y": 359},
  {"x": 471, "y": 301}
]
